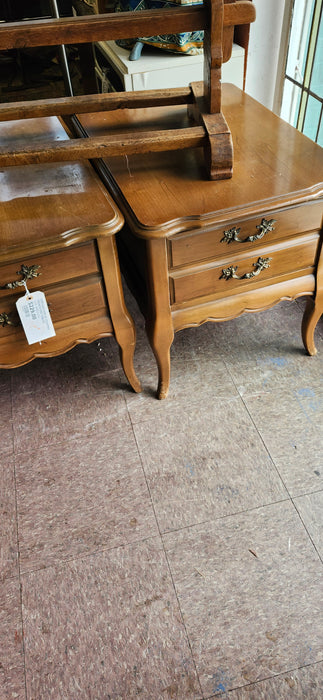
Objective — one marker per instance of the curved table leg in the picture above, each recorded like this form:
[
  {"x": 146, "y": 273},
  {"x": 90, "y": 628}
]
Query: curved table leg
[
  {"x": 124, "y": 329},
  {"x": 126, "y": 357},
  {"x": 159, "y": 322},
  {"x": 161, "y": 344},
  {"x": 312, "y": 314}
]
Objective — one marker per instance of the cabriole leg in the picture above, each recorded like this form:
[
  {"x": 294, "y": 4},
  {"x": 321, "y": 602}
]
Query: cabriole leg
[
  {"x": 312, "y": 314},
  {"x": 159, "y": 323},
  {"x": 122, "y": 322}
]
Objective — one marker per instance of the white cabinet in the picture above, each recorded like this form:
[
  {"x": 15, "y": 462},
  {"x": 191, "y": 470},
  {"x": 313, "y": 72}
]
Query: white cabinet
[{"x": 158, "y": 69}]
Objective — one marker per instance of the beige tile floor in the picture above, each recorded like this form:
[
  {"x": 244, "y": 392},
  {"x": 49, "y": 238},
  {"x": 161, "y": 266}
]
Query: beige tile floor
[{"x": 172, "y": 549}]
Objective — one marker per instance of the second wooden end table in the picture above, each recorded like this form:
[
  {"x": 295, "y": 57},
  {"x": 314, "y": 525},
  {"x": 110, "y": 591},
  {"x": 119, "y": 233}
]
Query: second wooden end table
[{"x": 201, "y": 251}]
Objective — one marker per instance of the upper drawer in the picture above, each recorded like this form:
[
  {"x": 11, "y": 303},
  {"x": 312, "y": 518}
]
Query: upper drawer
[
  {"x": 202, "y": 245},
  {"x": 66, "y": 264}
]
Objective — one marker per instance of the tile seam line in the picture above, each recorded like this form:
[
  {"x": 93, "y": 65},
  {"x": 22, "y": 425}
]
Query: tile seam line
[
  {"x": 168, "y": 566},
  {"x": 268, "y": 678},
  {"x": 307, "y": 493},
  {"x": 307, "y": 532},
  {"x": 193, "y": 402},
  {"x": 20, "y": 580},
  {"x": 260, "y": 436},
  {"x": 83, "y": 555},
  {"x": 210, "y": 521},
  {"x": 17, "y": 539},
  {"x": 102, "y": 550},
  {"x": 60, "y": 443},
  {"x": 80, "y": 392},
  {"x": 86, "y": 555}
]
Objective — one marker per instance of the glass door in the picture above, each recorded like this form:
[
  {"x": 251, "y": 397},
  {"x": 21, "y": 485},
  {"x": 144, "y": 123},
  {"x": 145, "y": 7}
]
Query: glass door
[{"x": 302, "y": 96}]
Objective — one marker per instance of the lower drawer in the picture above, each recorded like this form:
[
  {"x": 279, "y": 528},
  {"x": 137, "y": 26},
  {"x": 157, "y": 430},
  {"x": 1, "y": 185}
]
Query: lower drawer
[
  {"x": 231, "y": 277},
  {"x": 66, "y": 303}
]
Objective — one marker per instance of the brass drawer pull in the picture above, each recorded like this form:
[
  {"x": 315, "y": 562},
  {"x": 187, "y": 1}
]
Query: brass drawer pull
[
  {"x": 27, "y": 273},
  {"x": 230, "y": 272},
  {"x": 5, "y": 320},
  {"x": 233, "y": 233}
]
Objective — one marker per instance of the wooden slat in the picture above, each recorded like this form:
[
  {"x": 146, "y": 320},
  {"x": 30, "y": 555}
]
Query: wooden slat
[
  {"x": 87, "y": 28},
  {"x": 82, "y": 104},
  {"x": 120, "y": 25},
  {"x": 104, "y": 146}
]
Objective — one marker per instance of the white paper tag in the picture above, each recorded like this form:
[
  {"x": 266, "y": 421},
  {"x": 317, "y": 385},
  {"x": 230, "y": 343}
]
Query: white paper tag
[{"x": 35, "y": 317}]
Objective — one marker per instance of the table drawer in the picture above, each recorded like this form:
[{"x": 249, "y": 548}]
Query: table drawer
[
  {"x": 229, "y": 277},
  {"x": 196, "y": 246},
  {"x": 55, "y": 268},
  {"x": 70, "y": 301}
]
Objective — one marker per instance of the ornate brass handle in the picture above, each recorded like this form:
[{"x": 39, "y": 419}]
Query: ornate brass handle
[
  {"x": 5, "y": 320},
  {"x": 230, "y": 272},
  {"x": 232, "y": 234},
  {"x": 27, "y": 273}
]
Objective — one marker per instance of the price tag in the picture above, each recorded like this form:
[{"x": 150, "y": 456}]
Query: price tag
[{"x": 35, "y": 317}]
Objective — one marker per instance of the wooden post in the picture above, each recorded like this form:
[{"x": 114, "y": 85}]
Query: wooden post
[{"x": 213, "y": 55}]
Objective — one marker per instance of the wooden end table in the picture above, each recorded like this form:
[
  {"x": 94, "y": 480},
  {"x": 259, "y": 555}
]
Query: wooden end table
[
  {"x": 59, "y": 217},
  {"x": 200, "y": 251}
]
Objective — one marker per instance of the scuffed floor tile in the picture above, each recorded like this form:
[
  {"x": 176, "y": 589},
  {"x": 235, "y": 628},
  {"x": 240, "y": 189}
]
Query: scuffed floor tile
[
  {"x": 289, "y": 420},
  {"x": 82, "y": 497},
  {"x": 249, "y": 587},
  {"x": 267, "y": 373},
  {"x": 303, "y": 683},
  {"x": 107, "y": 626},
  {"x": 5, "y": 381},
  {"x": 205, "y": 463},
  {"x": 8, "y": 522},
  {"x": 12, "y": 677},
  {"x": 270, "y": 333},
  {"x": 198, "y": 375},
  {"x": 6, "y": 429},
  {"x": 302, "y": 471},
  {"x": 310, "y": 508},
  {"x": 56, "y": 417},
  {"x": 71, "y": 372}
]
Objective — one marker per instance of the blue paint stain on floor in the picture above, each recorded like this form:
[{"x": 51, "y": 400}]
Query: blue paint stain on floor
[
  {"x": 227, "y": 492},
  {"x": 220, "y": 687},
  {"x": 278, "y": 361},
  {"x": 189, "y": 469},
  {"x": 307, "y": 406},
  {"x": 221, "y": 682},
  {"x": 306, "y": 392},
  {"x": 271, "y": 364},
  {"x": 273, "y": 361}
]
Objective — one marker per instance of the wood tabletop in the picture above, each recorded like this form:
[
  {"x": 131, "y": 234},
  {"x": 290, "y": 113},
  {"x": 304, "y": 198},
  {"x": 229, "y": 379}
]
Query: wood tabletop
[
  {"x": 163, "y": 193},
  {"x": 54, "y": 205}
]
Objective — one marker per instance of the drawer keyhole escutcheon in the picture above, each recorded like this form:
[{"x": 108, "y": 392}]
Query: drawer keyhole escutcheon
[
  {"x": 230, "y": 272},
  {"x": 5, "y": 320},
  {"x": 232, "y": 234},
  {"x": 27, "y": 273}
]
